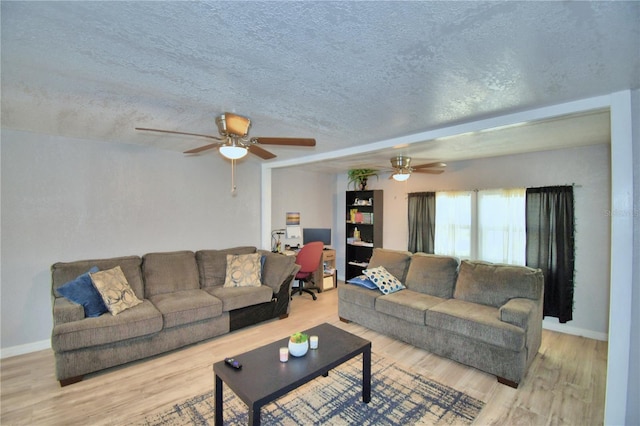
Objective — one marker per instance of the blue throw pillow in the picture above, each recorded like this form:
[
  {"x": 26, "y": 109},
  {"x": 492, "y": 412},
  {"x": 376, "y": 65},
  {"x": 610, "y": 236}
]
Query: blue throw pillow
[
  {"x": 82, "y": 292},
  {"x": 363, "y": 281}
]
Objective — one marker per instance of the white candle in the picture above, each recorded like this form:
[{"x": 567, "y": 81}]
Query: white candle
[
  {"x": 284, "y": 354},
  {"x": 313, "y": 342}
]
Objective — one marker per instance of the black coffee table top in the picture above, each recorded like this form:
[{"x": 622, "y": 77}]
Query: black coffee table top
[{"x": 263, "y": 377}]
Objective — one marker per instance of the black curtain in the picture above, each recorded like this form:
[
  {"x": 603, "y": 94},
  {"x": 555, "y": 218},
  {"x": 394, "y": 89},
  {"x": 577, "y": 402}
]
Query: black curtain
[
  {"x": 550, "y": 246},
  {"x": 422, "y": 222}
]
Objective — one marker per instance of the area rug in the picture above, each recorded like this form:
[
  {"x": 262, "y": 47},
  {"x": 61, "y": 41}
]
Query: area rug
[{"x": 399, "y": 396}]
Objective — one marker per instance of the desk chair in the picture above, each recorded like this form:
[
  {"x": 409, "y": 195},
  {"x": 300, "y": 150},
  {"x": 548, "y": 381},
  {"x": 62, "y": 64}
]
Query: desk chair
[{"x": 308, "y": 258}]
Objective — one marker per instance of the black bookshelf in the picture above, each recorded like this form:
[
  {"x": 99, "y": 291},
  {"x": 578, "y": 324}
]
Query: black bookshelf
[{"x": 364, "y": 212}]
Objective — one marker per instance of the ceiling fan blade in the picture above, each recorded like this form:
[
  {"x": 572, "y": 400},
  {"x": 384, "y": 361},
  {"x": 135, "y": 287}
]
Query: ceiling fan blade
[
  {"x": 178, "y": 133},
  {"x": 203, "y": 148},
  {"x": 260, "y": 152},
  {"x": 425, "y": 166},
  {"x": 286, "y": 141},
  {"x": 431, "y": 172}
]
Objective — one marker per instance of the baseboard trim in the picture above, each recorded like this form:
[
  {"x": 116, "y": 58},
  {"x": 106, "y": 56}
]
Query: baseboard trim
[
  {"x": 25, "y": 349},
  {"x": 567, "y": 329}
]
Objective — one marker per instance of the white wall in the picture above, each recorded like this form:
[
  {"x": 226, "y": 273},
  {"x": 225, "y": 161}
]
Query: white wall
[
  {"x": 587, "y": 167},
  {"x": 311, "y": 194},
  {"x": 633, "y": 409},
  {"x": 68, "y": 199}
]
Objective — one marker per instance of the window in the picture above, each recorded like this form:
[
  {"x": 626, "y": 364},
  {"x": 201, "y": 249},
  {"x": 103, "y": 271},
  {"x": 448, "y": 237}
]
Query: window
[
  {"x": 487, "y": 225},
  {"x": 453, "y": 224},
  {"x": 501, "y": 226}
]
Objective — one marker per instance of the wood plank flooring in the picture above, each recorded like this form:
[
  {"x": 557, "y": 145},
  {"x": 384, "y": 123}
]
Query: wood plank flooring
[{"x": 565, "y": 384}]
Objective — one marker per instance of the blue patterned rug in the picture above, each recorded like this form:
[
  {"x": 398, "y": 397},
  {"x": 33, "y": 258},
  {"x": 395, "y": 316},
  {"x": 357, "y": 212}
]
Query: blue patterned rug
[{"x": 399, "y": 396}]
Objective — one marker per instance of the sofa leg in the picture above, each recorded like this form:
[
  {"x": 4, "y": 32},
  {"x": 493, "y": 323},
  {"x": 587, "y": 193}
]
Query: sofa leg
[
  {"x": 344, "y": 320},
  {"x": 283, "y": 316},
  {"x": 70, "y": 381},
  {"x": 507, "y": 382}
]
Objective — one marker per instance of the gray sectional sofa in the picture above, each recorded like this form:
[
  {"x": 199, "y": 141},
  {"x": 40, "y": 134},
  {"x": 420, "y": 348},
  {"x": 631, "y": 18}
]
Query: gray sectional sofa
[
  {"x": 480, "y": 314},
  {"x": 183, "y": 302}
]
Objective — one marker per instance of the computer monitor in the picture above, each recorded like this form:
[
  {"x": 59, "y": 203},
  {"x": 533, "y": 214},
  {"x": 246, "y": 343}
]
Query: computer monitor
[{"x": 316, "y": 234}]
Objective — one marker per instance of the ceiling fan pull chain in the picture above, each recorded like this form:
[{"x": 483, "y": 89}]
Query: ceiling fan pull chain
[{"x": 233, "y": 176}]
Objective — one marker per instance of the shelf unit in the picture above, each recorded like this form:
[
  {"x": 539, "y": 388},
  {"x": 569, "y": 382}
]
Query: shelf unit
[
  {"x": 364, "y": 211},
  {"x": 325, "y": 276}
]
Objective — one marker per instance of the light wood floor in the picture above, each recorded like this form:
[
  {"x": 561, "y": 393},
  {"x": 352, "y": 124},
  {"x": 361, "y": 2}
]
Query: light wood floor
[{"x": 565, "y": 384}]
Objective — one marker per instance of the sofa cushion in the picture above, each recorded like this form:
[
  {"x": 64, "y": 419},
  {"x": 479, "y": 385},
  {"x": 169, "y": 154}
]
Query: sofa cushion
[
  {"x": 82, "y": 292},
  {"x": 494, "y": 284},
  {"x": 358, "y": 295},
  {"x": 479, "y": 322},
  {"x": 212, "y": 264},
  {"x": 385, "y": 281},
  {"x": 169, "y": 272},
  {"x": 432, "y": 274},
  {"x": 276, "y": 269},
  {"x": 141, "y": 320},
  {"x": 240, "y": 297},
  {"x": 186, "y": 306},
  {"x": 63, "y": 272},
  {"x": 243, "y": 270},
  {"x": 408, "y": 305},
  {"x": 394, "y": 261},
  {"x": 116, "y": 292}
]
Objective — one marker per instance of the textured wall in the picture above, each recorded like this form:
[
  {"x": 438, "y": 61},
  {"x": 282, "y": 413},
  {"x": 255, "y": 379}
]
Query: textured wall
[
  {"x": 66, "y": 199},
  {"x": 311, "y": 194}
]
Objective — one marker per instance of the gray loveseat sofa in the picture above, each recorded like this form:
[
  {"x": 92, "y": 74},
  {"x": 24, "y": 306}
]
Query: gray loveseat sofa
[
  {"x": 183, "y": 302},
  {"x": 484, "y": 315}
]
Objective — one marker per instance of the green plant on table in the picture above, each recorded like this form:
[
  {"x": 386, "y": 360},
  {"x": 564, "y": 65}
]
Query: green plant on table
[{"x": 299, "y": 337}]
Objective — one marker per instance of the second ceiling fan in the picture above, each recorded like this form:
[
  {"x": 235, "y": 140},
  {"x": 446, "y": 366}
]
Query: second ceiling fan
[
  {"x": 402, "y": 168},
  {"x": 234, "y": 138}
]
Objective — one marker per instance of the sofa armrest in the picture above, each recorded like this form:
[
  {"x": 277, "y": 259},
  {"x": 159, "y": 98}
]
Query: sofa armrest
[
  {"x": 526, "y": 314},
  {"x": 276, "y": 268},
  {"x": 66, "y": 311},
  {"x": 518, "y": 312}
]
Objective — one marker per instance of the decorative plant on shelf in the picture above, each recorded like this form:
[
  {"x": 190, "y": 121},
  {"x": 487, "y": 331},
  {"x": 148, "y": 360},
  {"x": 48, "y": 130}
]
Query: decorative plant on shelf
[{"x": 360, "y": 177}]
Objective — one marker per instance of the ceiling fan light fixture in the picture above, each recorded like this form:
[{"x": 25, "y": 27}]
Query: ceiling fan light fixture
[
  {"x": 233, "y": 152},
  {"x": 401, "y": 176}
]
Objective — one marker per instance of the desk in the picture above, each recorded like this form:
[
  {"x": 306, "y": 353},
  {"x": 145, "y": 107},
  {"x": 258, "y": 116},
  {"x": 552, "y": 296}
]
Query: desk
[{"x": 328, "y": 262}]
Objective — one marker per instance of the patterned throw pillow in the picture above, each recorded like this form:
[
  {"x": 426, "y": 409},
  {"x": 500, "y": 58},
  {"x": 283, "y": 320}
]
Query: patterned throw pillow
[
  {"x": 115, "y": 290},
  {"x": 386, "y": 282},
  {"x": 243, "y": 270}
]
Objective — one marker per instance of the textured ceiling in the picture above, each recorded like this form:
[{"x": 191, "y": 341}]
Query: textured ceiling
[{"x": 346, "y": 73}]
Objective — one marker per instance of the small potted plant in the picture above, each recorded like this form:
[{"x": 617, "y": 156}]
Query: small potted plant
[
  {"x": 359, "y": 177},
  {"x": 298, "y": 344}
]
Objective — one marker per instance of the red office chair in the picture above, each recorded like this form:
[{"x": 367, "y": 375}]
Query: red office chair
[{"x": 308, "y": 258}]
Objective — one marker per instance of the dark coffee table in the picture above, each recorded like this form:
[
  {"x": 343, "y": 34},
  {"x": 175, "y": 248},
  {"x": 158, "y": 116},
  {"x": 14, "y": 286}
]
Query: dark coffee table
[{"x": 263, "y": 378}]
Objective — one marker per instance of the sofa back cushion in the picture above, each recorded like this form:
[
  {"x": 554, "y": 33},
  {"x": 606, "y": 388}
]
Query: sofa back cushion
[
  {"x": 212, "y": 264},
  {"x": 169, "y": 272},
  {"x": 395, "y": 262},
  {"x": 495, "y": 284},
  {"x": 63, "y": 272},
  {"x": 432, "y": 274}
]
